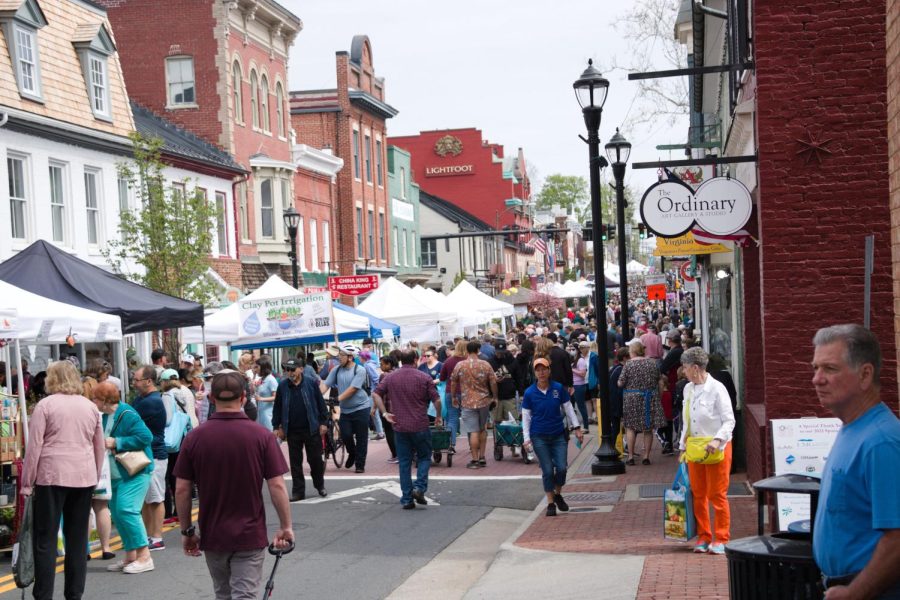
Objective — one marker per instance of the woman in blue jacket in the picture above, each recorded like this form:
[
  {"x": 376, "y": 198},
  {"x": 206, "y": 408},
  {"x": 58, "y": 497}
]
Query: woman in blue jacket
[{"x": 125, "y": 431}]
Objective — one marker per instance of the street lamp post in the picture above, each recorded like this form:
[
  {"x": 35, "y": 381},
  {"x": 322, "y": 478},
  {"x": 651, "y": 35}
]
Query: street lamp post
[
  {"x": 617, "y": 150},
  {"x": 292, "y": 222},
  {"x": 590, "y": 90}
]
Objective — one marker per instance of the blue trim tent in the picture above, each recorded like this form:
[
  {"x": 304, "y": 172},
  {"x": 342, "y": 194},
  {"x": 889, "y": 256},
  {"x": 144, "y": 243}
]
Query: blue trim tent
[{"x": 377, "y": 329}]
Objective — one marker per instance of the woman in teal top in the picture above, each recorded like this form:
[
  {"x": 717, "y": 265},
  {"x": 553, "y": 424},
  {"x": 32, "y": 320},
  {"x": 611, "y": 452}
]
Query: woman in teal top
[{"x": 124, "y": 431}]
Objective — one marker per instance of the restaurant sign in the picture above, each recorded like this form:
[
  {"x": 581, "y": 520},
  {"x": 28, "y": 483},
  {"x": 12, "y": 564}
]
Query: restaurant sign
[{"x": 720, "y": 206}]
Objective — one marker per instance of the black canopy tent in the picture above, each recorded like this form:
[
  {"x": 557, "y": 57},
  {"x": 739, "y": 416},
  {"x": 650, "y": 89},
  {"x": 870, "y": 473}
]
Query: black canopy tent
[{"x": 44, "y": 269}]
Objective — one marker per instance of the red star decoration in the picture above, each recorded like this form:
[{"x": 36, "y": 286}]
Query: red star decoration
[{"x": 814, "y": 146}]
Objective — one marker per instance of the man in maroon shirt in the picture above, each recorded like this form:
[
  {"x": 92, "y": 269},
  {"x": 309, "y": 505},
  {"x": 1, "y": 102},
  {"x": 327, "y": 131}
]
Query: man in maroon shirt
[
  {"x": 228, "y": 457},
  {"x": 408, "y": 392}
]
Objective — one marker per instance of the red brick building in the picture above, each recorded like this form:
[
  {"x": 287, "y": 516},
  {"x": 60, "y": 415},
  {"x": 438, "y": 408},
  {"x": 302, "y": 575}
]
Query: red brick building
[
  {"x": 219, "y": 69},
  {"x": 350, "y": 120},
  {"x": 460, "y": 166}
]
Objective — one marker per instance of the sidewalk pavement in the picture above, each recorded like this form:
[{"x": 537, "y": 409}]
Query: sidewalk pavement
[{"x": 609, "y": 545}]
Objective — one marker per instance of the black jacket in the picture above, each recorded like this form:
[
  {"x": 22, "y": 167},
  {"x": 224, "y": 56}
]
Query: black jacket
[
  {"x": 508, "y": 376},
  {"x": 316, "y": 411},
  {"x": 561, "y": 366}
]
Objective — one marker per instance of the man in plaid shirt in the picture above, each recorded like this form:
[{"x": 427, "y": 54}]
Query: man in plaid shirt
[{"x": 403, "y": 397}]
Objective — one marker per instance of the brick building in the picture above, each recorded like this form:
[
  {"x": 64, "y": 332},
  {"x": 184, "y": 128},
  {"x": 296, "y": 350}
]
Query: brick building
[
  {"x": 350, "y": 120},
  {"x": 219, "y": 70},
  {"x": 458, "y": 165},
  {"x": 820, "y": 187},
  {"x": 315, "y": 198},
  {"x": 893, "y": 128}
]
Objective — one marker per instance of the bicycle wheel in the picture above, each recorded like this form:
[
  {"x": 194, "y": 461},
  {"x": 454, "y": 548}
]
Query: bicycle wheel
[
  {"x": 326, "y": 451},
  {"x": 338, "y": 451}
]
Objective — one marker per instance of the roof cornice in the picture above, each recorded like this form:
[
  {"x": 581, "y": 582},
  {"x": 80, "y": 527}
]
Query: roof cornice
[
  {"x": 313, "y": 159},
  {"x": 370, "y": 103}
]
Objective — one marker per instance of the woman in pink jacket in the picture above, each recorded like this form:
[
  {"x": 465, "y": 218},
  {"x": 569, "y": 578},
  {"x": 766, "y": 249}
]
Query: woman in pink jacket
[{"x": 63, "y": 459}]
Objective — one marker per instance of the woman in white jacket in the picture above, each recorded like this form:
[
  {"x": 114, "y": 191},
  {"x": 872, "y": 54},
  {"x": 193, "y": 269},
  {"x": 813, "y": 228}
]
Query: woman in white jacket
[{"x": 707, "y": 413}]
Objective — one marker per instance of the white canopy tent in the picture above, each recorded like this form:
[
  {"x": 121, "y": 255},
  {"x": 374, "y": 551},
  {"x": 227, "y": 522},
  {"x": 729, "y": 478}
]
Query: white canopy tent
[
  {"x": 397, "y": 303},
  {"x": 223, "y": 326},
  {"x": 636, "y": 267},
  {"x": 466, "y": 294},
  {"x": 31, "y": 318},
  {"x": 465, "y": 318}
]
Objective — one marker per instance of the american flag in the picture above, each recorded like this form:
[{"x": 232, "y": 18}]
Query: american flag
[
  {"x": 538, "y": 243},
  {"x": 740, "y": 238}
]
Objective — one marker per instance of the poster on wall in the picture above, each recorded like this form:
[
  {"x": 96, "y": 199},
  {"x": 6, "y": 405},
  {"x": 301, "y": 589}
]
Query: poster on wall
[
  {"x": 286, "y": 317},
  {"x": 800, "y": 446}
]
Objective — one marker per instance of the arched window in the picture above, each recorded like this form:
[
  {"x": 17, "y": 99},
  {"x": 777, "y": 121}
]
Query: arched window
[
  {"x": 279, "y": 108},
  {"x": 236, "y": 80},
  {"x": 264, "y": 102},
  {"x": 254, "y": 101}
]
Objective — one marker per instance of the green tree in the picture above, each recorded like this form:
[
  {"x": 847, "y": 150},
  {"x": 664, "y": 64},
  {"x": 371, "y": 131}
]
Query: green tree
[
  {"x": 167, "y": 236},
  {"x": 460, "y": 277},
  {"x": 567, "y": 191}
]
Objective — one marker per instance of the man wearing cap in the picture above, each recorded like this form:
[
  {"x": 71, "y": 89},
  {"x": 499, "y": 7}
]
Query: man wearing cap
[
  {"x": 150, "y": 406},
  {"x": 228, "y": 459},
  {"x": 350, "y": 379},
  {"x": 300, "y": 417},
  {"x": 408, "y": 392},
  {"x": 508, "y": 380}
]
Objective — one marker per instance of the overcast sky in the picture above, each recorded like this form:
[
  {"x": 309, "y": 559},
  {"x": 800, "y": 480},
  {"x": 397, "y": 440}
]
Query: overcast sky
[{"x": 506, "y": 68}]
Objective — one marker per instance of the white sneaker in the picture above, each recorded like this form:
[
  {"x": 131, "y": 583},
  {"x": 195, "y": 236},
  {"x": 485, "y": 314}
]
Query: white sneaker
[
  {"x": 139, "y": 566},
  {"x": 116, "y": 566}
]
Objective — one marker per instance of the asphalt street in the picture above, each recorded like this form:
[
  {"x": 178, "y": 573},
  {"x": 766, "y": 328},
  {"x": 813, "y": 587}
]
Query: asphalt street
[{"x": 358, "y": 543}]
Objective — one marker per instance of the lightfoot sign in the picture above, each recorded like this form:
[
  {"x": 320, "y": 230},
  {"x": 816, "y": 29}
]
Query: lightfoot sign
[
  {"x": 720, "y": 206},
  {"x": 286, "y": 317},
  {"x": 449, "y": 170}
]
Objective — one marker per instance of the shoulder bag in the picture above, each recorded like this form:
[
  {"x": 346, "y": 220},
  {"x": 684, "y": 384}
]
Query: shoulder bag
[
  {"x": 695, "y": 446},
  {"x": 133, "y": 461}
]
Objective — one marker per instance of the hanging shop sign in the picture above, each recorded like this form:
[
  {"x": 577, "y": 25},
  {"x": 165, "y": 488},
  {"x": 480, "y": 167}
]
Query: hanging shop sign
[
  {"x": 353, "y": 285},
  {"x": 685, "y": 245},
  {"x": 656, "y": 287},
  {"x": 686, "y": 271},
  {"x": 720, "y": 205}
]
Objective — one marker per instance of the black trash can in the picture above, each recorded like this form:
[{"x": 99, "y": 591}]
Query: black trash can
[{"x": 768, "y": 567}]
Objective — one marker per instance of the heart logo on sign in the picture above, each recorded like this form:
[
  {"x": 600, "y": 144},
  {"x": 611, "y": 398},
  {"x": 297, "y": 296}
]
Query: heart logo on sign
[{"x": 720, "y": 205}]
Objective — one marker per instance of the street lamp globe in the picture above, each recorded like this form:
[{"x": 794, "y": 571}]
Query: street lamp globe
[
  {"x": 291, "y": 219},
  {"x": 591, "y": 88},
  {"x": 618, "y": 148}
]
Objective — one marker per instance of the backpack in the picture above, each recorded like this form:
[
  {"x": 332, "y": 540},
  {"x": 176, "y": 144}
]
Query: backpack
[
  {"x": 177, "y": 427},
  {"x": 367, "y": 384}
]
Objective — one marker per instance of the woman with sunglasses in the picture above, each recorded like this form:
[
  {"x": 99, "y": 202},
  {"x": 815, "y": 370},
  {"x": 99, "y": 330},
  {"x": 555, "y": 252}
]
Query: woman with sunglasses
[{"x": 431, "y": 366}]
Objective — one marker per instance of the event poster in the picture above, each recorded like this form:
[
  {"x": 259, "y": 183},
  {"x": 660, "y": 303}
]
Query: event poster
[
  {"x": 800, "y": 446},
  {"x": 286, "y": 317}
]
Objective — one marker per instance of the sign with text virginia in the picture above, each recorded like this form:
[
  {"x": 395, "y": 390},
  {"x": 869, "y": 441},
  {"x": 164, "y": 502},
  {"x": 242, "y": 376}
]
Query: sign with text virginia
[
  {"x": 286, "y": 317},
  {"x": 720, "y": 205}
]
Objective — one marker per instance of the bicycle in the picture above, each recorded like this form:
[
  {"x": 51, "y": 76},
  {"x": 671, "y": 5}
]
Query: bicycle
[{"x": 332, "y": 443}]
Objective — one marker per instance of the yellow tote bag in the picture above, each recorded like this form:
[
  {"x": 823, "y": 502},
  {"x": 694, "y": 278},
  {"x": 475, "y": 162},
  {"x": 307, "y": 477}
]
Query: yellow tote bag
[{"x": 695, "y": 446}]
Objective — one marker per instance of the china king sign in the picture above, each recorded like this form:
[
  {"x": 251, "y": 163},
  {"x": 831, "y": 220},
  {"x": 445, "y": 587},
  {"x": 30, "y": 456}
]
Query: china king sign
[{"x": 353, "y": 285}]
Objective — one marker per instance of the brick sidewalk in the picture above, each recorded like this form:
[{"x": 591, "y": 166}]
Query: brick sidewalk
[{"x": 634, "y": 526}]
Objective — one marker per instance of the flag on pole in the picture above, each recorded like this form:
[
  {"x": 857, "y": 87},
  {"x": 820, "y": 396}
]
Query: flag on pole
[
  {"x": 741, "y": 238},
  {"x": 538, "y": 243}
]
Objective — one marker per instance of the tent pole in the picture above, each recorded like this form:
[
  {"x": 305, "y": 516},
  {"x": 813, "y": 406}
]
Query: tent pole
[
  {"x": 123, "y": 368},
  {"x": 23, "y": 411},
  {"x": 204, "y": 361},
  {"x": 333, "y": 321},
  {"x": 7, "y": 355}
]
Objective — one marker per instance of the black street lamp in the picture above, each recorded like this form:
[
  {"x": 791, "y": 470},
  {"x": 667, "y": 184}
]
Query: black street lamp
[
  {"x": 292, "y": 222},
  {"x": 591, "y": 89},
  {"x": 617, "y": 150}
]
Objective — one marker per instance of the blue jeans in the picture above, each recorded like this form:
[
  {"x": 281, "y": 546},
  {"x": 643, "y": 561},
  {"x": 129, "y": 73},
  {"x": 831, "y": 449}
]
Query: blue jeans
[
  {"x": 452, "y": 419},
  {"x": 407, "y": 443},
  {"x": 264, "y": 414},
  {"x": 580, "y": 395},
  {"x": 551, "y": 453},
  {"x": 355, "y": 433}
]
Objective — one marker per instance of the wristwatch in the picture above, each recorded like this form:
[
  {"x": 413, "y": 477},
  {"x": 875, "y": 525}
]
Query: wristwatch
[{"x": 189, "y": 532}]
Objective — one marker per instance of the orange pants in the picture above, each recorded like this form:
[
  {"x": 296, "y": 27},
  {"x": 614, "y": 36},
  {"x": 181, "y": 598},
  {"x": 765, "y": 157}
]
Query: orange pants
[{"x": 709, "y": 484}]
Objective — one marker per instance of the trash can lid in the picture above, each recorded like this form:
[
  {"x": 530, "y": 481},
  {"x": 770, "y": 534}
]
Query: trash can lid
[
  {"x": 766, "y": 546},
  {"x": 802, "y": 484}
]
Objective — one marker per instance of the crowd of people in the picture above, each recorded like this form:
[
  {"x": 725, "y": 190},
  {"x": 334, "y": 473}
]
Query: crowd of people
[{"x": 543, "y": 374}]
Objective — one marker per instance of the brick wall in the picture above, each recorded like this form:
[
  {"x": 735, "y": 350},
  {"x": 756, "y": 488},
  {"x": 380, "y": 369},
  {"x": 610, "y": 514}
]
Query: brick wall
[
  {"x": 893, "y": 115},
  {"x": 228, "y": 269},
  {"x": 821, "y": 75},
  {"x": 146, "y": 34}
]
